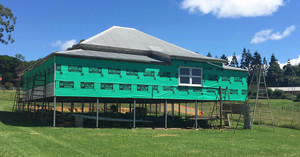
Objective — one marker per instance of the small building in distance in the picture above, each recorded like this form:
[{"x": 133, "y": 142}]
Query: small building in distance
[{"x": 288, "y": 90}]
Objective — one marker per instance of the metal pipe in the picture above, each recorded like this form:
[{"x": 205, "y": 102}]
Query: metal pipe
[
  {"x": 196, "y": 113},
  {"x": 97, "y": 116},
  {"x": 179, "y": 110},
  {"x": 134, "y": 106},
  {"x": 166, "y": 116},
  {"x": 54, "y": 111}
]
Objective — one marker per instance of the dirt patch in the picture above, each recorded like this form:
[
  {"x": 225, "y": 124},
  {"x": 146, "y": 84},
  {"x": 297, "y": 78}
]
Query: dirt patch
[
  {"x": 103, "y": 134},
  {"x": 292, "y": 135},
  {"x": 34, "y": 133},
  {"x": 194, "y": 151},
  {"x": 166, "y": 135}
]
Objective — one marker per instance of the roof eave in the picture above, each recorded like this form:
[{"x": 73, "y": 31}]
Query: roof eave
[
  {"x": 39, "y": 62},
  {"x": 199, "y": 59},
  {"x": 81, "y": 56}
]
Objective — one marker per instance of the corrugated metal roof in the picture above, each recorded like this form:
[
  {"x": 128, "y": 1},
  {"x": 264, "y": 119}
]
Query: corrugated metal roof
[
  {"x": 130, "y": 38},
  {"x": 233, "y": 68},
  {"x": 108, "y": 55}
]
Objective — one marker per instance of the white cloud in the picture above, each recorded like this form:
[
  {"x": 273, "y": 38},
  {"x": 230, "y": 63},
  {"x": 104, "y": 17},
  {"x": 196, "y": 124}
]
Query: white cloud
[
  {"x": 268, "y": 34},
  {"x": 63, "y": 45},
  {"x": 295, "y": 61},
  {"x": 233, "y": 8}
]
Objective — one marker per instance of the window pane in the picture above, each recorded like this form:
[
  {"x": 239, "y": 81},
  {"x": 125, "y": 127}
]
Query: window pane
[
  {"x": 184, "y": 71},
  {"x": 196, "y": 72},
  {"x": 185, "y": 80},
  {"x": 196, "y": 80}
]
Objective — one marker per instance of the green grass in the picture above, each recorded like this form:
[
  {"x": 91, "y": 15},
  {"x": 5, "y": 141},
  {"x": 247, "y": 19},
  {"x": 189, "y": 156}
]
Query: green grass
[
  {"x": 22, "y": 137},
  {"x": 286, "y": 113}
]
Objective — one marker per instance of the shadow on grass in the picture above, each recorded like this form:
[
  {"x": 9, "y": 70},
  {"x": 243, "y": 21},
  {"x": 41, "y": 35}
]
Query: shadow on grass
[{"x": 20, "y": 119}]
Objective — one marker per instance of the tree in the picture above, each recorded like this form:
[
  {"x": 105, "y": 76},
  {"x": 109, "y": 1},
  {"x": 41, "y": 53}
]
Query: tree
[
  {"x": 290, "y": 75},
  {"x": 243, "y": 63},
  {"x": 7, "y": 25},
  {"x": 234, "y": 61},
  {"x": 7, "y": 67},
  {"x": 246, "y": 59},
  {"x": 265, "y": 61},
  {"x": 274, "y": 74},
  {"x": 225, "y": 58},
  {"x": 256, "y": 59},
  {"x": 209, "y": 54},
  {"x": 20, "y": 57},
  {"x": 273, "y": 59}
]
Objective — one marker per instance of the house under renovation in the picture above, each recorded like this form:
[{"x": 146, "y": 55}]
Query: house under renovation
[{"x": 126, "y": 66}]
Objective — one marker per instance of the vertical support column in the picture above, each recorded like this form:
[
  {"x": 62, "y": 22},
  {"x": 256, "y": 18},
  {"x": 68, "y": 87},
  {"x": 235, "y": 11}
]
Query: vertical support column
[
  {"x": 185, "y": 110},
  {"x": 221, "y": 108},
  {"x": 54, "y": 111},
  {"x": 82, "y": 107},
  {"x": 134, "y": 108},
  {"x": 150, "y": 109},
  {"x": 117, "y": 107},
  {"x": 202, "y": 108},
  {"x": 93, "y": 108},
  {"x": 159, "y": 109},
  {"x": 62, "y": 107},
  {"x": 172, "y": 110},
  {"x": 156, "y": 110},
  {"x": 179, "y": 110},
  {"x": 90, "y": 107},
  {"x": 166, "y": 115},
  {"x": 97, "y": 114},
  {"x": 196, "y": 114},
  {"x": 34, "y": 108},
  {"x": 247, "y": 117},
  {"x": 72, "y": 106},
  {"x": 130, "y": 108}
]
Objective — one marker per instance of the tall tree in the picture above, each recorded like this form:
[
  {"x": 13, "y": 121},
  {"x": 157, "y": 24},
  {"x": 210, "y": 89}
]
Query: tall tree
[
  {"x": 290, "y": 75},
  {"x": 7, "y": 25},
  {"x": 234, "y": 61},
  {"x": 274, "y": 76},
  {"x": 225, "y": 58},
  {"x": 265, "y": 61},
  {"x": 243, "y": 60},
  {"x": 256, "y": 59},
  {"x": 209, "y": 54},
  {"x": 273, "y": 59}
]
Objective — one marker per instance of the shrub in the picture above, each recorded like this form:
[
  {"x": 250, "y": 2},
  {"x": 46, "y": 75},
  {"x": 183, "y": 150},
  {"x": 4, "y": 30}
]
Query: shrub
[
  {"x": 8, "y": 85},
  {"x": 277, "y": 94},
  {"x": 288, "y": 96},
  {"x": 252, "y": 92},
  {"x": 297, "y": 97}
]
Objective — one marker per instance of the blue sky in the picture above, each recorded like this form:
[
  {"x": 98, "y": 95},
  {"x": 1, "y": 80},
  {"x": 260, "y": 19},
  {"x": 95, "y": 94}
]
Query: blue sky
[{"x": 218, "y": 26}]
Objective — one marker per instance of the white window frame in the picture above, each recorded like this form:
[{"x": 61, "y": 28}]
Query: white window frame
[{"x": 190, "y": 77}]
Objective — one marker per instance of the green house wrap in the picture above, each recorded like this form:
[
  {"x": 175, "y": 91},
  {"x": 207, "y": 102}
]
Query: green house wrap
[{"x": 126, "y": 63}]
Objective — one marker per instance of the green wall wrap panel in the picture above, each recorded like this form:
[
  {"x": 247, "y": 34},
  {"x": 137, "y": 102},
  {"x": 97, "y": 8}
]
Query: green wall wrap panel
[
  {"x": 47, "y": 66},
  {"x": 161, "y": 80}
]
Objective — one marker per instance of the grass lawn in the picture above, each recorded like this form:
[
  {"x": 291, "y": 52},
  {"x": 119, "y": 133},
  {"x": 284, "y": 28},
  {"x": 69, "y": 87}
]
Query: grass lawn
[{"x": 21, "y": 137}]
